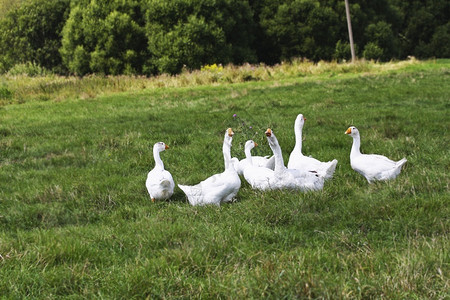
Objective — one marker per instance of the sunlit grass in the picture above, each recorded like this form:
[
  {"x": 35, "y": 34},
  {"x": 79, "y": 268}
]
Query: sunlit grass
[
  {"x": 76, "y": 219},
  {"x": 22, "y": 88}
]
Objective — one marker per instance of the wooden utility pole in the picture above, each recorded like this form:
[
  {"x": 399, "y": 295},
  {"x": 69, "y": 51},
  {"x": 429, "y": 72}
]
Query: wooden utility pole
[{"x": 350, "y": 34}]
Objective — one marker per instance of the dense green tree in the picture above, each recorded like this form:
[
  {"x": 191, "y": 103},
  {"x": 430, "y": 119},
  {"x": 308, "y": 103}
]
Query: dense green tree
[
  {"x": 381, "y": 43},
  {"x": 266, "y": 47},
  {"x": 287, "y": 26},
  {"x": 440, "y": 42},
  {"x": 8, "y": 5},
  {"x": 302, "y": 28},
  {"x": 154, "y": 36},
  {"x": 31, "y": 33},
  {"x": 177, "y": 37},
  {"x": 104, "y": 37},
  {"x": 422, "y": 19},
  {"x": 192, "y": 33}
]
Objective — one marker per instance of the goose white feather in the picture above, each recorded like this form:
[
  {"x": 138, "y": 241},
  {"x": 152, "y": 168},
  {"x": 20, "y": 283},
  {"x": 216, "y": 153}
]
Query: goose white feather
[
  {"x": 372, "y": 166},
  {"x": 218, "y": 188},
  {"x": 159, "y": 181},
  {"x": 257, "y": 161},
  {"x": 306, "y": 163},
  {"x": 292, "y": 178},
  {"x": 258, "y": 177}
]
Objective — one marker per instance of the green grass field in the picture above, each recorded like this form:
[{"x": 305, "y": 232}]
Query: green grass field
[{"x": 76, "y": 220}]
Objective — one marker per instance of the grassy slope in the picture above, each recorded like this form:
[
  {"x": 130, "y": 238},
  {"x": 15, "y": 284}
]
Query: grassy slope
[{"x": 76, "y": 218}]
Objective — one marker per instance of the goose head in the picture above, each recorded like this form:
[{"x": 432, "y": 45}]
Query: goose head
[
  {"x": 228, "y": 136},
  {"x": 250, "y": 144},
  {"x": 352, "y": 131},
  {"x": 160, "y": 146},
  {"x": 271, "y": 137},
  {"x": 299, "y": 121}
]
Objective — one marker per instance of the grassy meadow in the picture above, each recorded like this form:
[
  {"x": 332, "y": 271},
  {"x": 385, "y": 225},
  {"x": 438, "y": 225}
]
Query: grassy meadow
[{"x": 76, "y": 220}]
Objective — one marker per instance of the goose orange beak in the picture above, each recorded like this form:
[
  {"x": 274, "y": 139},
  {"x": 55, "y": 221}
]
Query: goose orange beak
[
  {"x": 230, "y": 132},
  {"x": 167, "y": 147},
  {"x": 349, "y": 130},
  {"x": 256, "y": 144},
  {"x": 269, "y": 132}
]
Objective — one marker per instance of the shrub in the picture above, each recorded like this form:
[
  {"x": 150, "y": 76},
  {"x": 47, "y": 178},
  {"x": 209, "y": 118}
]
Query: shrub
[
  {"x": 372, "y": 51},
  {"x": 302, "y": 28},
  {"x": 191, "y": 43},
  {"x": 440, "y": 42},
  {"x": 380, "y": 37},
  {"x": 194, "y": 33},
  {"x": 104, "y": 37},
  {"x": 29, "y": 69},
  {"x": 79, "y": 64},
  {"x": 5, "y": 93},
  {"x": 343, "y": 51},
  {"x": 31, "y": 33}
]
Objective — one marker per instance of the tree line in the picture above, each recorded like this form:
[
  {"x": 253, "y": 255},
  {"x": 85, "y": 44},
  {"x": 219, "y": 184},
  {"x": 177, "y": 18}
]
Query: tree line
[{"x": 151, "y": 37}]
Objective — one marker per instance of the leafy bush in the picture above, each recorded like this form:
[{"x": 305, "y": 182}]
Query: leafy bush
[
  {"x": 287, "y": 26},
  {"x": 152, "y": 36},
  {"x": 380, "y": 37},
  {"x": 212, "y": 68},
  {"x": 194, "y": 33},
  {"x": 5, "y": 93},
  {"x": 106, "y": 38},
  {"x": 302, "y": 28},
  {"x": 440, "y": 42},
  {"x": 343, "y": 51},
  {"x": 192, "y": 43},
  {"x": 372, "y": 51},
  {"x": 31, "y": 33},
  {"x": 29, "y": 69},
  {"x": 425, "y": 24}
]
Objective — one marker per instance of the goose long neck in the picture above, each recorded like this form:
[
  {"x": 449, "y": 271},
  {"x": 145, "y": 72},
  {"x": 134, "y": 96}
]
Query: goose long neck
[
  {"x": 248, "y": 155},
  {"x": 356, "y": 146},
  {"x": 158, "y": 162},
  {"x": 276, "y": 149},
  {"x": 226, "y": 149},
  {"x": 298, "y": 138}
]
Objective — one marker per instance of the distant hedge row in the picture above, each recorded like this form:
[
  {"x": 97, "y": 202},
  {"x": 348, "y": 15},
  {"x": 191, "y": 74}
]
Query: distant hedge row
[{"x": 157, "y": 36}]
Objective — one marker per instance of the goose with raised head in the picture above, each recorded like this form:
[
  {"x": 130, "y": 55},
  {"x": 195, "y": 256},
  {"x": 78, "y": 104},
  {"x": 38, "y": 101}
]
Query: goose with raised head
[
  {"x": 372, "y": 166},
  {"x": 292, "y": 178},
  {"x": 257, "y": 161},
  {"x": 260, "y": 178},
  {"x": 218, "y": 188},
  {"x": 159, "y": 181},
  {"x": 306, "y": 163}
]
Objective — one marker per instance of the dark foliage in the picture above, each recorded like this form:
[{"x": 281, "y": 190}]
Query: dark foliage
[
  {"x": 31, "y": 33},
  {"x": 152, "y": 37}
]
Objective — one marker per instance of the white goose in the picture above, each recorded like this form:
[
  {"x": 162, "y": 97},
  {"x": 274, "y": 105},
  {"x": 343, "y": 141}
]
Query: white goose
[
  {"x": 292, "y": 178},
  {"x": 159, "y": 182},
  {"x": 258, "y": 177},
  {"x": 301, "y": 162},
  {"x": 218, "y": 188},
  {"x": 372, "y": 166},
  {"x": 258, "y": 161}
]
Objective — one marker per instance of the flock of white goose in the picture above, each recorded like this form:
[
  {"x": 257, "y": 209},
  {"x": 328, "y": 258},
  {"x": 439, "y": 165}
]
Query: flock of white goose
[{"x": 263, "y": 173}]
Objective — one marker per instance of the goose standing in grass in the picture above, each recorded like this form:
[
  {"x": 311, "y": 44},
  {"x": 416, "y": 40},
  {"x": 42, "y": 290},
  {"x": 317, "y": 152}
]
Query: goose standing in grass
[
  {"x": 159, "y": 182},
  {"x": 261, "y": 178},
  {"x": 372, "y": 166},
  {"x": 292, "y": 178},
  {"x": 306, "y": 163},
  {"x": 218, "y": 188},
  {"x": 258, "y": 161}
]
